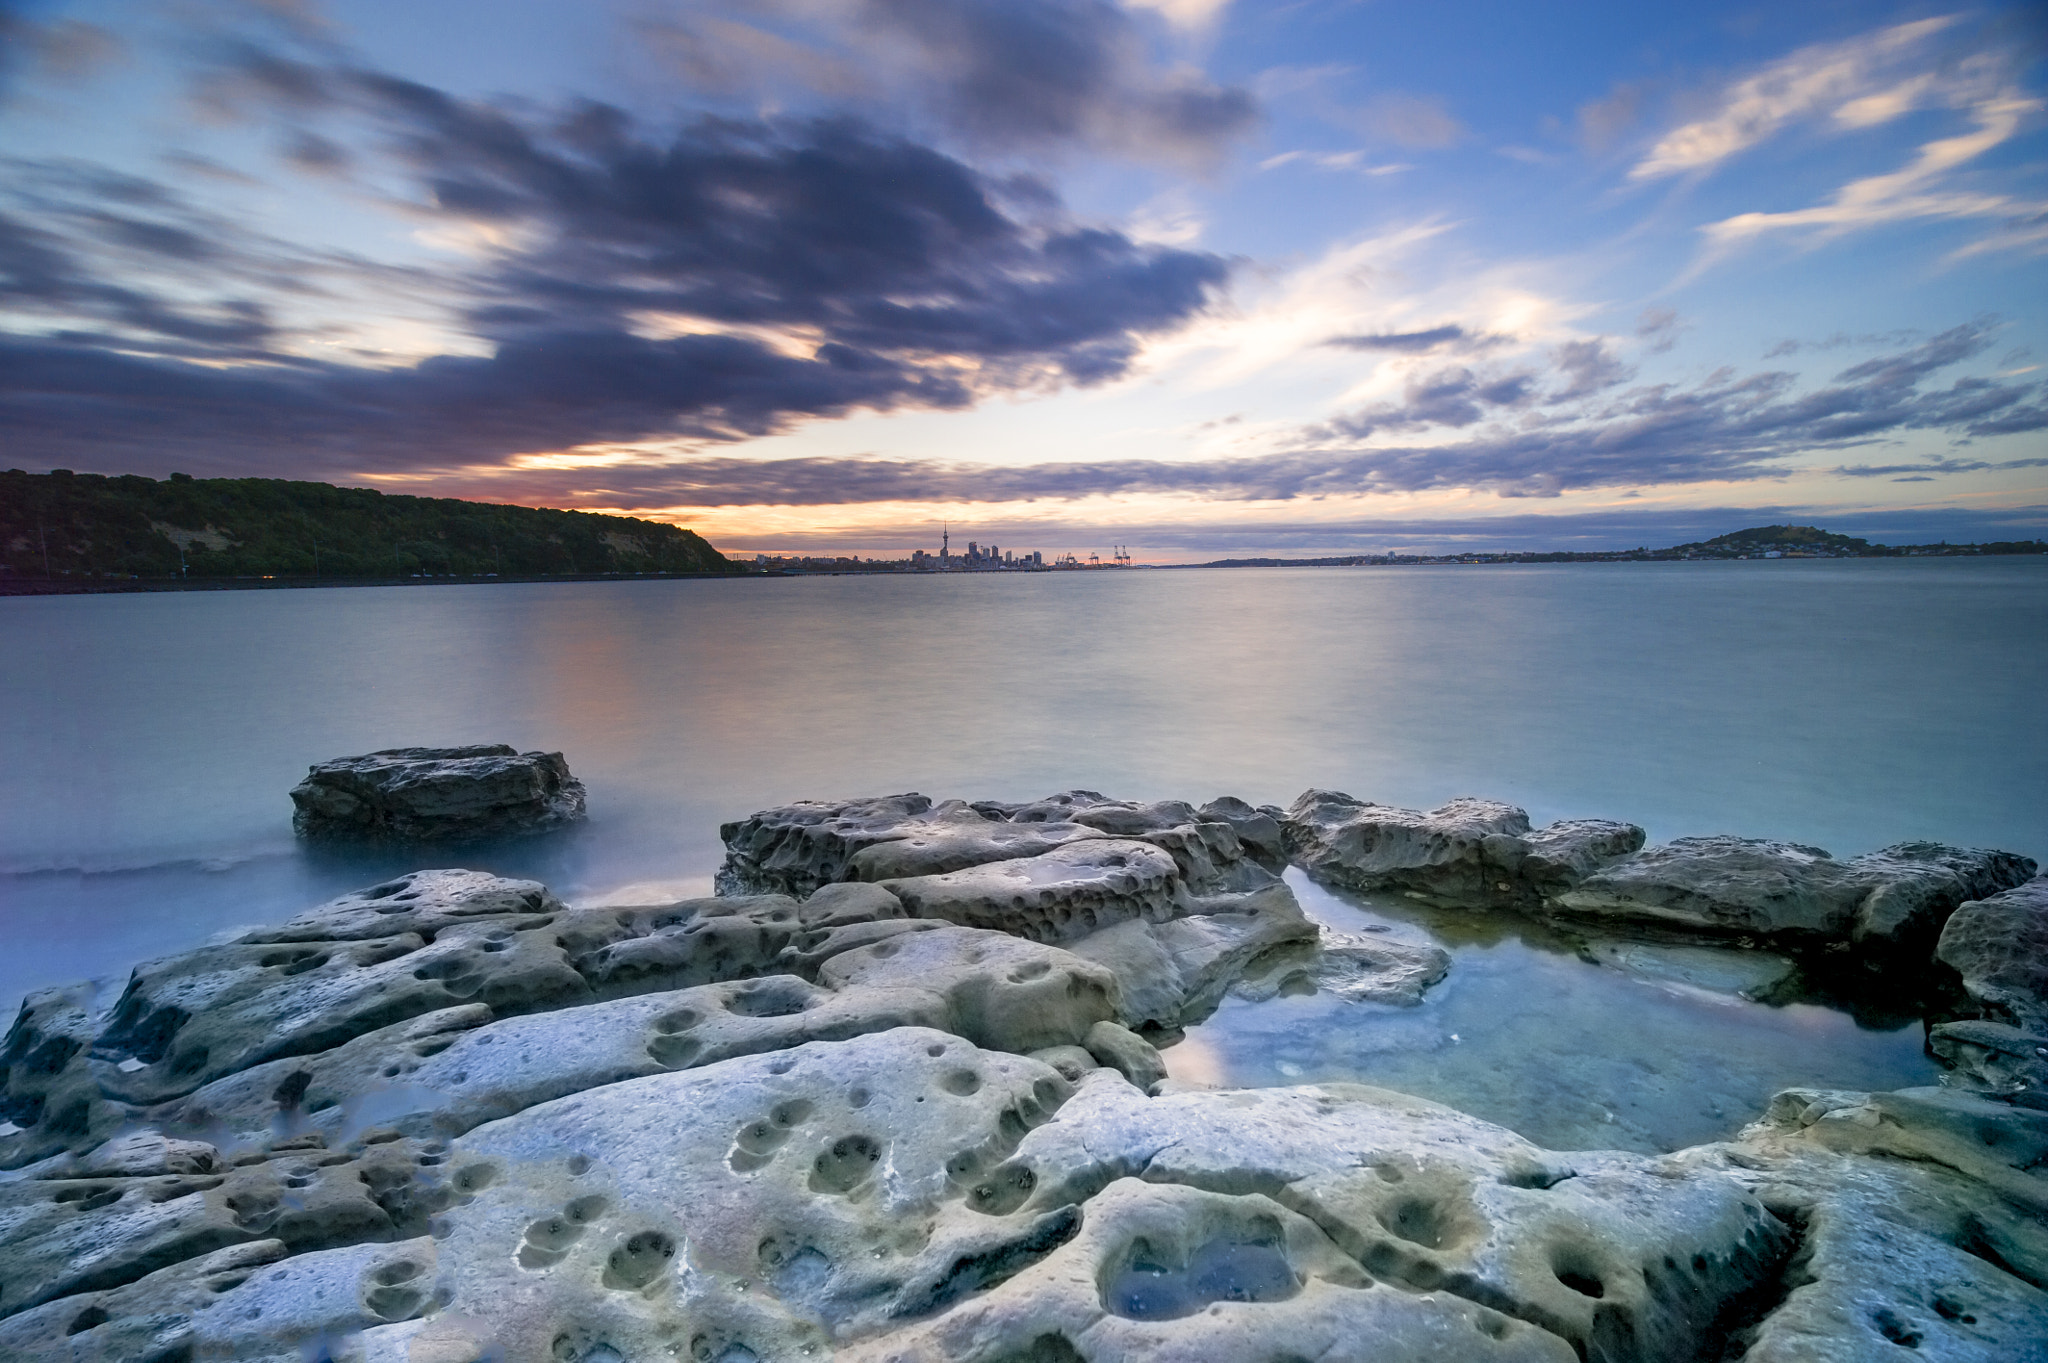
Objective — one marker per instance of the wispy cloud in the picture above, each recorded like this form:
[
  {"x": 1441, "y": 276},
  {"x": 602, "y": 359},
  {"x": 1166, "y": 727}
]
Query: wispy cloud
[{"x": 1841, "y": 79}]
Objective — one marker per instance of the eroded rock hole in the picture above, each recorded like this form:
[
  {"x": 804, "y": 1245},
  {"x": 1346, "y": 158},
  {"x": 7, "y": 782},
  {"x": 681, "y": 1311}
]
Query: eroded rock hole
[
  {"x": 1894, "y": 1329},
  {"x": 1004, "y": 1191},
  {"x": 1419, "y": 1221},
  {"x": 961, "y": 1082},
  {"x": 86, "y": 1319},
  {"x": 767, "y": 1001},
  {"x": 639, "y": 1261},
  {"x": 845, "y": 1164},
  {"x": 1153, "y": 1284}
]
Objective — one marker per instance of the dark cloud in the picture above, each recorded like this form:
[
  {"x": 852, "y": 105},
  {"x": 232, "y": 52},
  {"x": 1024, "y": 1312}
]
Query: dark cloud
[
  {"x": 812, "y": 268},
  {"x": 1400, "y": 341},
  {"x": 1729, "y": 428},
  {"x": 1589, "y": 367},
  {"x": 1001, "y": 74}
]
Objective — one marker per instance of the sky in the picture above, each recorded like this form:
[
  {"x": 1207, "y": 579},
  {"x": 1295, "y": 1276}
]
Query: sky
[{"x": 1202, "y": 278}]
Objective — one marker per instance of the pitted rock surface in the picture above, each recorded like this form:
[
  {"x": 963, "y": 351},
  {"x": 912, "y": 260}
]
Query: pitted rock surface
[
  {"x": 442, "y": 795},
  {"x": 844, "y": 1111}
]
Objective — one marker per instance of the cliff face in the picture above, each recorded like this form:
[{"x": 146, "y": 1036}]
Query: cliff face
[{"x": 63, "y": 524}]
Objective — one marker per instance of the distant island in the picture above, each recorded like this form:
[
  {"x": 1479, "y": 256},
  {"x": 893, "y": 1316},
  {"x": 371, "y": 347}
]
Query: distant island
[
  {"x": 85, "y": 531},
  {"x": 1763, "y": 541}
]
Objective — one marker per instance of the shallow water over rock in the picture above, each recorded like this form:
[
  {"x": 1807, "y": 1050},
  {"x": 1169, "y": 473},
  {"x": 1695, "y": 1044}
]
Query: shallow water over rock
[{"x": 1576, "y": 1044}]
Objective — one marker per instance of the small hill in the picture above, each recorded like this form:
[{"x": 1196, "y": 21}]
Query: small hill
[
  {"x": 63, "y": 524},
  {"x": 1783, "y": 537}
]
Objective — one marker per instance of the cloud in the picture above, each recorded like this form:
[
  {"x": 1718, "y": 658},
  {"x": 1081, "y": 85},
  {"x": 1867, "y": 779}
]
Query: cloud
[
  {"x": 713, "y": 284},
  {"x": 1401, "y": 341},
  {"x": 65, "y": 51},
  {"x": 1658, "y": 328},
  {"x": 1911, "y": 192},
  {"x": 1926, "y": 467},
  {"x": 1831, "y": 77},
  {"x": 1003, "y": 75}
]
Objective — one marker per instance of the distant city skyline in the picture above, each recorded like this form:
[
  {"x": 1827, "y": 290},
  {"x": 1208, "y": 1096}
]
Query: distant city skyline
[{"x": 1205, "y": 278}]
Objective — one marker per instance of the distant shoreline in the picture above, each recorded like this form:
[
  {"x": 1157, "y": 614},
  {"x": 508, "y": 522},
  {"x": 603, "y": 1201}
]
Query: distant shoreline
[{"x": 79, "y": 586}]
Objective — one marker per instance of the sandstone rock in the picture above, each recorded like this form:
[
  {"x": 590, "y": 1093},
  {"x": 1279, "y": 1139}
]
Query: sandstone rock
[
  {"x": 1356, "y": 967},
  {"x": 1891, "y": 901},
  {"x": 771, "y": 1204},
  {"x": 1053, "y": 897},
  {"x": 239, "y": 1302},
  {"x": 1126, "y": 1052},
  {"x": 437, "y": 795},
  {"x": 1000, "y": 992},
  {"x": 423, "y": 902},
  {"x": 1994, "y": 1055},
  {"x": 61, "y": 1237},
  {"x": 796, "y": 848},
  {"x": 1471, "y": 853},
  {"x": 1257, "y": 828},
  {"x": 1904, "y": 1253},
  {"x": 1999, "y": 945},
  {"x": 445, "y": 1073},
  {"x": 1173, "y": 974}
]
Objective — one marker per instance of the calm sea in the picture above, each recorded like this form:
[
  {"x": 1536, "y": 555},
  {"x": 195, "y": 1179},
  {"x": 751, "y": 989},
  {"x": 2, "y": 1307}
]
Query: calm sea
[{"x": 149, "y": 741}]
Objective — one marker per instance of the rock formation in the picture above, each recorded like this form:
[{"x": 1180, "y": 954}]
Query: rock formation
[
  {"x": 445, "y": 795},
  {"x": 894, "y": 1095}
]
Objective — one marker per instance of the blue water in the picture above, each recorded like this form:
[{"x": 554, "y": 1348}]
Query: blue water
[{"x": 149, "y": 741}]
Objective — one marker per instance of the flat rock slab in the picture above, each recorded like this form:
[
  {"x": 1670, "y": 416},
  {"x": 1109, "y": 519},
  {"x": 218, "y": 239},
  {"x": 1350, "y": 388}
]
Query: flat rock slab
[
  {"x": 1896, "y": 899},
  {"x": 436, "y": 795}
]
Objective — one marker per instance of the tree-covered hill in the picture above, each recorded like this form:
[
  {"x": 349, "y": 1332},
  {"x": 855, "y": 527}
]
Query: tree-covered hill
[{"x": 63, "y": 524}]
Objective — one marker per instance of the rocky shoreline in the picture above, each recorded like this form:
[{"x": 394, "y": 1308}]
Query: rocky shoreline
[{"x": 896, "y": 1093}]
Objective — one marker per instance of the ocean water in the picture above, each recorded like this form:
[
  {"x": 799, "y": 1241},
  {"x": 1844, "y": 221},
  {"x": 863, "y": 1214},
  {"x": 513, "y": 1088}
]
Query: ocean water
[{"x": 149, "y": 741}]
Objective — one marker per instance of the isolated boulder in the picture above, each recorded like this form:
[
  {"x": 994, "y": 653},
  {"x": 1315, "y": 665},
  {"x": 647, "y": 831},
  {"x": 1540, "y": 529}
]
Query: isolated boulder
[{"x": 437, "y": 795}]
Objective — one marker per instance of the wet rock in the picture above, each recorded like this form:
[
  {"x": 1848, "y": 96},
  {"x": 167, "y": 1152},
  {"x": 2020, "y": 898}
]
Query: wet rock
[
  {"x": 1999, "y": 945},
  {"x": 1892, "y": 901},
  {"x": 1173, "y": 974},
  {"x": 1056, "y": 896},
  {"x": 1355, "y": 967},
  {"x": 1470, "y": 853},
  {"x": 1126, "y": 1052},
  {"x": 1905, "y": 1253},
  {"x": 1993, "y": 1055},
  {"x": 437, "y": 795},
  {"x": 1175, "y": 1272},
  {"x": 1497, "y": 1241}
]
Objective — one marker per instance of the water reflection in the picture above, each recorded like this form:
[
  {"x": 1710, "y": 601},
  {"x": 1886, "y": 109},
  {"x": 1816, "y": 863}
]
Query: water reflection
[{"x": 1633, "y": 1046}]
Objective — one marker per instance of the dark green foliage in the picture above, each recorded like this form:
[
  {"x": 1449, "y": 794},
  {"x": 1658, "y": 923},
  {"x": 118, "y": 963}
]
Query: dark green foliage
[{"x": 63, "y": 524}]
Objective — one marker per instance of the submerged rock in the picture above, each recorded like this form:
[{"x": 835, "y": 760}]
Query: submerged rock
[
  {"x": 1352, "y": 966},
  {"x": 436, "y": 795}
]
